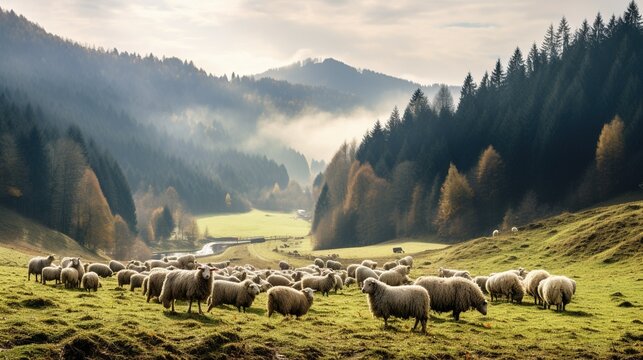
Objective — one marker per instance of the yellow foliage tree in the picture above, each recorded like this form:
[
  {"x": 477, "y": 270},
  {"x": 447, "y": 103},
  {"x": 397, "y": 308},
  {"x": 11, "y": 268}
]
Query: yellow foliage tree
[
  {"x": 92, "y": 220},
  {"x": 610, "y": 156},
  {"x": 455, "y": 216}
]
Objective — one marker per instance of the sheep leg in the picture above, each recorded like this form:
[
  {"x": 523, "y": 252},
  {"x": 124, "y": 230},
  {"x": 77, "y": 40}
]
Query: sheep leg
[
  {"x": 190, "y": 307},
  {"x": 173, "y": 306},
  {"x": 417, "y": 320},
  {"x": 423, "y": 325},
  {"x": 198, "y": 302},
  {"x": 385, "y": 322},
  {"x": 456, "y": 315}
]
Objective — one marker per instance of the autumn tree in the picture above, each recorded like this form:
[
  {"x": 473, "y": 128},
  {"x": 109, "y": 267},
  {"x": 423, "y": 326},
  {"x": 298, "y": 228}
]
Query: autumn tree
[
  {"x": 610, "y": 157},
  {"x": 92, "y": 221},
  {"x": 490, "y": 186},
  {"x": 455, "y": 217},
  {"x": 123, "y": 239},
  {"x": 67, "y": 168}
]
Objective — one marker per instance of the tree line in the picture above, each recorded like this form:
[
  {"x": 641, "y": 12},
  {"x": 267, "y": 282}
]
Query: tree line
[{"x": 557, "y": 129}]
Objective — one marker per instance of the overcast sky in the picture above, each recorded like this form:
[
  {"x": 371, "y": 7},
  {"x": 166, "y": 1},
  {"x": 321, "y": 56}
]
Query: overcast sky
[{"x": 423, "y": 40}]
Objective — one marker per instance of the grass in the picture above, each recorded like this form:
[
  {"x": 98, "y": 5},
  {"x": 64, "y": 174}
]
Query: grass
[
  {"x": 604, "y": 320},
  {"x": 254, "y": 223}
]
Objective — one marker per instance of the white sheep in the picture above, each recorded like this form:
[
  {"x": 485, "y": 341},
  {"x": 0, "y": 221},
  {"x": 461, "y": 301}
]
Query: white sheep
[
  {"x": 155, "y": 284},
  {"x": 556, "y": 290},
  {"x": 403, "y": 302},
  {"x": 333, "y": 265},
  {"x": 123, "y": 277},
  {"x": 495, "y": 233},
  {"x": 288, "y": 301},
  {"x": 407, "y": 260},
  {"x": 481, "y": 281},
  {"x": 116, "y": 266},
  {"x": 514, "y": 229},
  {"x": 396, "y": 276},
  {"x": 319, "y": 262},
  {"x": 69, "y": 277},
  {"x": 136, "y": 281},
  {"x": 187, "y": 285},
  {"x": 101, "y": 270},
  {"x": 320, "y": 283},
  {"x": 50, "y": 273},
  {"x": 241, "y": 295},
  {"x": 362, "y": 273},
  {"x": 36, "y": 265},
  {"x": 369, "y": 263},
  {"x": 90, "y": 281},
  {"x": 531, "y": 282},
  {"x": 506, "y": 284},
  {"x": 279, "y": 280},
  {"x": 453, "y": 294}
]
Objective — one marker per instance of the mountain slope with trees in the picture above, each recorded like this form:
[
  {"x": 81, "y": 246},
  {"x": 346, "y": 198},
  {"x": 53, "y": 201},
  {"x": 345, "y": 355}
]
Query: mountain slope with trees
[{"x": 558, "y": 128}]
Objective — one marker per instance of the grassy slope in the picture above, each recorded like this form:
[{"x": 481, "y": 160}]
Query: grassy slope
[
  {"x": 29, "y": 237},
  {"x": 254, "y": 223},
  {"x": 119, "y": 323}
]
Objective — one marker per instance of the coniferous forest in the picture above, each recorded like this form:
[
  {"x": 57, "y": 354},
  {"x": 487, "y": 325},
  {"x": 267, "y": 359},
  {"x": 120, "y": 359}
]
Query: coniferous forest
[{"x": 557, "y": 126}]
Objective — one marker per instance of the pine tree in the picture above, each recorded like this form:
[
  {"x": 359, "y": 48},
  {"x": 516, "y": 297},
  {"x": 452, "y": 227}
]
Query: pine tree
[
  {"x": 563, "y": 33},
  {"x": 632, "y": 16},
  {"x": 533, "y": 60},
  {"x": 516, "y": 71},
  {"x": 497, "y": 76},
  {"x": 551, "y": 43},
  {"x": 582, "y": 34},
  {"x": 468, "y": 88},
  {"x": 598, "y": 30},
  {"x": 611, "y": 27}
]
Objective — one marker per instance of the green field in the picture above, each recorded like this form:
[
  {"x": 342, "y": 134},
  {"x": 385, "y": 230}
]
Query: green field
[
  {"x": 254, "y": 223},
  {"x": 600, "y": 248}
]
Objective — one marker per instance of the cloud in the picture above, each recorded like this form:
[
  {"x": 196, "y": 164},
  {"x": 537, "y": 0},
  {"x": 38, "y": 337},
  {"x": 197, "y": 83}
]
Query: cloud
[{"x": 469, "y": 25}]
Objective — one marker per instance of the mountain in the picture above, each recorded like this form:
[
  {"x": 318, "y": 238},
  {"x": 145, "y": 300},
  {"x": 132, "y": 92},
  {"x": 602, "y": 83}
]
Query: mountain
[
  {"x": 167, "y": 122},
  {"x": 372, "y": 88},
  {"x": 558, "y": 129}
]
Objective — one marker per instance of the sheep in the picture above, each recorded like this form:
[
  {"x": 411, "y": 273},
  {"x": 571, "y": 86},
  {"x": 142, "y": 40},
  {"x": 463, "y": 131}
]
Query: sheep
[
  {"x": 36, "y": 265},
  {"x": 123, "y": 277},
  {"x": 531, "y": 282},
  {"x": 362, "y": 273},
  {"x": 220, "y": 265},
  {"x": 90, "y": 281},
  {"x": 187, "y": 261},
  {"x": 137, "y": 268},
  {"x": 339, "y": 283},
  {"x": 297, "y": 285},
  {"x": 521, "y": 272},
  {"x": 320, "y": 283},
  {"x": 506, "y": 283},
  {"x": 298, "y": 275},
  {"x": 154, "y": 284},
  {"x": 264, "y": 286},
  {"x": 136, "y": 281},
  {"x": 453, "y": 294},
  {"x": 442, "y": 272},
  {"x": 481, "y": 281},
  {"x": 514, "y": 229},
  {"x": 187, "y": 285},
  {"x": 50, "y": 273},
  {"x": 334, "y": 265},
  {"x": 403, "y": 302},
  {"x": 284, "y": 265},
  {"x": 396, "y": 276},
  {"x": 241, "y": 295},
  {"x": 495, "y": 233},
  {"x": 169, "y": 258},
  {"x": 101, "y": 270},
  {"x": 319, "y": 262},
  {"x": 369, "y": 263},
  {"x": 78, "y": 265},
  {"x": 65, "y": 261},
  {"x": 279, "y": 280},
  {"x": 288, "y": 301},
  {"x": 389, "y": 265},
  {"x": 116, "y": 266},
  {"x": 151, "y": 264},
  {"x": 69, "y": 277},
  {"x": 350, "y": 269},
  {"x": 556, "y": 290},
  {"x": 407, "y": 260},
  {"x": 350, "y": 281}
]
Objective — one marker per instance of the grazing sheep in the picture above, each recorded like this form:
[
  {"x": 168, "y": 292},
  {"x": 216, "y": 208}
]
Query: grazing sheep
[
  {"x": 154, "y": 284},
  {"x": 521, "y": 272},
  {"x": 350, "y": 269},
  {"x": 514, "y": 229},
  {"x": 78, "y": 265},
  {"x": 187, "y": 261},
  {"x": 151, "y": 264},
  {"x": 442, "y": 272},
  {"x": 264, "y": 286},
  {"x": 556, "y": 290},
  {"x": 36, "y": 265},
  {"x": 506, "y": 284},
  {"x": 288, "y": 301},
  {"x": 123, "y": 277},
  {"x": 453, "y": 294},
  {"x": 69, "y": 277},
  {"x": 362, "y": 273},
  {"x": 531, "y": 282},
  {"x": 116, "y": 266},
  {"x": 241, "y": 295},
  {"x": 369, "y": 263},
  {"x": 339, "y": 283},
  {"x": 137, "y": 268},
  {"x": 279, "y": 280},
  {"x": 320, "y": 283},
  {"x": 403, "y": 302},
  {"x": 482, "y": 283},
  {"x": 50, "y": 273},
  {"x": 284, "y": 265},
  {"x": 407, "y": 260},
  {"x": 233, "y": 279},
  {"x": 350, "y": 281},
  {"x": 169, "y": 258},
  {"x": 90, "y": 281},
  {"x": 220, "y": 265},
  {"x": 298, "y": 275},
  {"x": 319, "y": 262},
  {"x": 187, "y": 285},
  {"x": 101, "y": 270},
  {"x": 389, "y": 265},
  {"x": 136, "y": 281},
  {"x": 396, "y": 276},
  {"x": 495, "y": 233},
  {"x": 333, "y": 265}
]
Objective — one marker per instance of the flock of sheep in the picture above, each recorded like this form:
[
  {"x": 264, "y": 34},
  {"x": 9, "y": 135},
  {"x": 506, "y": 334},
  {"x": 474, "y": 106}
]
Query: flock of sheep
[{"x": 389, "y": 290}]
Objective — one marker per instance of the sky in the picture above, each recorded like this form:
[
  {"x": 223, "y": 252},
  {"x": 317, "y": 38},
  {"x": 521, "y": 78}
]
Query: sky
[{"x": 428, "y": 41}]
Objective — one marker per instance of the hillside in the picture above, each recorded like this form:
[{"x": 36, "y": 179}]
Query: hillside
[
  {"x": 602, "y": 321},
  {"x": 28, "y": 237},
  {"x": 373, "y": 88}
]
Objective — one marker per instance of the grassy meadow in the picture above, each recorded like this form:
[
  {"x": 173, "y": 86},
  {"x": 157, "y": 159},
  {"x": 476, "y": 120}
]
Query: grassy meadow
[
  {"x": 254, "y": 223},
  {"x": 599, "y": 248}
]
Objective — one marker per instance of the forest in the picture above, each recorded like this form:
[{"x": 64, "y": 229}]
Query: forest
[{"x": 558, "y": 128}]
